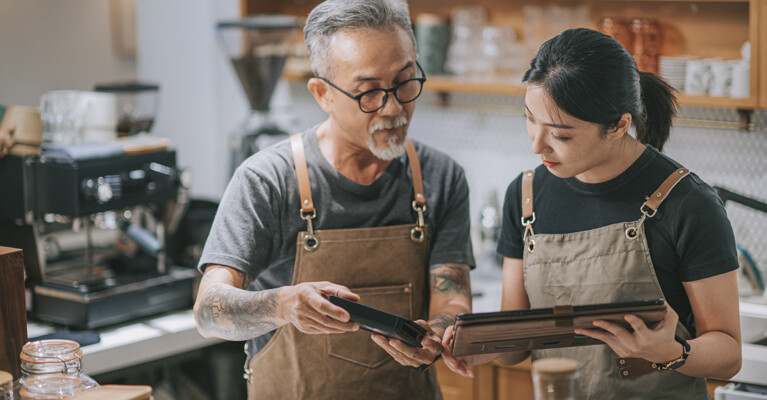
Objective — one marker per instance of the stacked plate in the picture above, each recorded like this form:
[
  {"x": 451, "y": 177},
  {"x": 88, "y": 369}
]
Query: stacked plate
[{"x": 673, "y": 70}]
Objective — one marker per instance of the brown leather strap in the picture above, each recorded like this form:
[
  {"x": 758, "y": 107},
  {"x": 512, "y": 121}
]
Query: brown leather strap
[
  {"x": 631, "y": 367},
  {"x": 415, "y": 171},
  {"x": 659, "y": 195},
  {"x": 304, "y": 189},
  {"x": 527, "y": 194}
]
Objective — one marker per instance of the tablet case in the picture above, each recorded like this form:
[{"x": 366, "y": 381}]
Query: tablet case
[
  {"x": 543, "y": 328},
  {"x": 381, "y": 322}
]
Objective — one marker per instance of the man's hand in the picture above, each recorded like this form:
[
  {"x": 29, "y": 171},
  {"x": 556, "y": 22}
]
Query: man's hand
[
  {"x": 410, "y": 356},
  {"x": 306, "y": 307}
]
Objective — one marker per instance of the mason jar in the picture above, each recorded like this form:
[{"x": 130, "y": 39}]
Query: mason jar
[
  {"x": 555, "y": 378},
  {"x": 51, "y": 387},
  {"x": 51, "y": 365}
]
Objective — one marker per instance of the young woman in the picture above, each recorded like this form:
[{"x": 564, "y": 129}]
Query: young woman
[{"x": 609, "y": 218}]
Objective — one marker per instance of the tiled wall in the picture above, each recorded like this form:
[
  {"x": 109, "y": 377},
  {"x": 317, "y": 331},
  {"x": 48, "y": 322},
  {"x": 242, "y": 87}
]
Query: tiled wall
[{"x": 486, "y": 134}]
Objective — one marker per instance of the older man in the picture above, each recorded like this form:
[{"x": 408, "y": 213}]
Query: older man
[{"x": 350, "y": 207}]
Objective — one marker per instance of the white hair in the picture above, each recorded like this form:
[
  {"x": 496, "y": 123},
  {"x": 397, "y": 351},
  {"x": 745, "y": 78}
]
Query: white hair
[
  {"x": 393, "y": 149},
  {"x": 332, "y": 15}
]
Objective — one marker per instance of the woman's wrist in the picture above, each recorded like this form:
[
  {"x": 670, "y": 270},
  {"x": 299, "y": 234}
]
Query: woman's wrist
[{"x": 672, "y": 351}]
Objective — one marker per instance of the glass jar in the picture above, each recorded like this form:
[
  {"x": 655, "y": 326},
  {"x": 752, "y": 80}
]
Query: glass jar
[
  {"x": 555, "y": 378},
  {"x": 51, "y": 387},
  {"x": 51, "y": 366},
  {"x": 6, "y": 385}
]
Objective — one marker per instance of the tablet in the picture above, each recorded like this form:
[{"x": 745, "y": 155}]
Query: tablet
[
  {"x": 381, "y": 322},
  {"x": 544, "y": 328}
]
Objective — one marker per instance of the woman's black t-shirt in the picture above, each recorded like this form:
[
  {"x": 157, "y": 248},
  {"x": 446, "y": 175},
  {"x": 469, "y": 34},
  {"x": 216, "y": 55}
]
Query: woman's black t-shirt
[{"x": 690, "y": 237}]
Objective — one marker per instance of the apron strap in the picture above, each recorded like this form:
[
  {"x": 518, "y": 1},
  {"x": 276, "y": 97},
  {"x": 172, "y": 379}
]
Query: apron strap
[
  {"x": 304, "y": 189},
  {"x": 415, "y": 171},
  {"x": 527, "y": 195},
  {"x": 650, "y": 207},
  {"x": 308, "y": 212},
  {"x": 528, "y": 215},
  {"x": 665, "y": 188}
]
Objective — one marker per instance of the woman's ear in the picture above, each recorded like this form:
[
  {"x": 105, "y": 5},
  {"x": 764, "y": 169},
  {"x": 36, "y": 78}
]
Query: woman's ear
[
  {"x": 319, "y": 90},
  {"x": 621, "y": 128}
]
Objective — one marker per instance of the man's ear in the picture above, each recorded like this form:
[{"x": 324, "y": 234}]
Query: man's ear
[
  {"x": 621, "y": 128},
  {"x": 319, "y": 90}
]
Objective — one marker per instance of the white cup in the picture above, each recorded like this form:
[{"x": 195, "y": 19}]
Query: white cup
[
  {"x": 721, "y": 79},
  {"x": 697, "y": 77},
  {"x": 740, "y": 80}
]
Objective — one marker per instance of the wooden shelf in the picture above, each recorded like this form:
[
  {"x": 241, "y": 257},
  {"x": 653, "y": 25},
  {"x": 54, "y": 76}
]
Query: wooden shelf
[
  {"x": 447, "y": 84},
  {"x": 444, "y": 84},
  {"x": 703, "y": 28}
]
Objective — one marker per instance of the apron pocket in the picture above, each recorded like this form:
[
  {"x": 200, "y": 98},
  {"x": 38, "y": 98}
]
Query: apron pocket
[{"x": 357, "y": 347}]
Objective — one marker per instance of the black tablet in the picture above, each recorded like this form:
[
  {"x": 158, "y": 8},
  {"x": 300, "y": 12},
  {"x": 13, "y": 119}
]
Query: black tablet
[
  {"x": 381, "y": 322},
  {"x": 542, "y": 328}
]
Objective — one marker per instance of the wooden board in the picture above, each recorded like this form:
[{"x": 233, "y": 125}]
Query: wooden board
[{"x": 13, "y": 309}]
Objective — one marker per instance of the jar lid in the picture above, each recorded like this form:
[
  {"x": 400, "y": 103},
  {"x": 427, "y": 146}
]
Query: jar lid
[
  {"x": 51, "y": 351},
  {"x": 555, "y": 366},
  {"x": 5, "y": 378}
]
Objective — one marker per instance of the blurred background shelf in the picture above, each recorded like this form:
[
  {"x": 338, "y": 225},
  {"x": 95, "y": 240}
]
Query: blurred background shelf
[{"x": 688, "y": 28}]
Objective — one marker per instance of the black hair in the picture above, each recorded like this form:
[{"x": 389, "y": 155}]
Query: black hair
[{"x": 592, "y": 77}]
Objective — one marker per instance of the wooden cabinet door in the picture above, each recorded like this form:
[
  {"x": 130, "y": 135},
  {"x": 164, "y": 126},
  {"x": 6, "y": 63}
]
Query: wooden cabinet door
[
  {"x": 454, "y": 386},
  {"x": 761, "y": 51},
  {"x": 514, "y": 384}
]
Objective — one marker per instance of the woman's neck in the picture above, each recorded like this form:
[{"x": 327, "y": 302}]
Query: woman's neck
[{"x": 627, "y": 152}]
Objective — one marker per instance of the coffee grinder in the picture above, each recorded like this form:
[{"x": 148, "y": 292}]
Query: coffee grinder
[{"x": 258, "y": 48}]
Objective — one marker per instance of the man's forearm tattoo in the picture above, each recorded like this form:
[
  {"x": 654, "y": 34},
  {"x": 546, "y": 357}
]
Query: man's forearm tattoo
[
  {"x": 442, "y": 320},
  {"x": 235, "y": 314},
  {"x": 450, "y": 279}
]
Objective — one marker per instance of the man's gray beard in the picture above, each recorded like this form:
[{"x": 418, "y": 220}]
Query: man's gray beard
[{"x": 393, "y": 149}]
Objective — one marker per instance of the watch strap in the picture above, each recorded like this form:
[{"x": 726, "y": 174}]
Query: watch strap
[{"x": 676, "y": 363}]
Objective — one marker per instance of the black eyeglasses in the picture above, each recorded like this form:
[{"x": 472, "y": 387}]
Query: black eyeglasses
[{"x": 373, "y": 100}]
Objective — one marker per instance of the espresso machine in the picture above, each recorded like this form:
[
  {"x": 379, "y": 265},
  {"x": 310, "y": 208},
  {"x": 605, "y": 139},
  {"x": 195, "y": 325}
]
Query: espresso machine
[
  {"x": 258, "y": 47},
  {"x": 93, "y": 230}
]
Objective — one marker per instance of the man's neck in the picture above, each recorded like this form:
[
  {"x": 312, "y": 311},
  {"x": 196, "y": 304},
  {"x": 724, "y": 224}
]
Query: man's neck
[{"x": 352, "y": 160}]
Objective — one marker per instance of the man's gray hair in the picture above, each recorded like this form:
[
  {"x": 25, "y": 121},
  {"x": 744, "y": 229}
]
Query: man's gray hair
[{"x": 333, "y": 15}]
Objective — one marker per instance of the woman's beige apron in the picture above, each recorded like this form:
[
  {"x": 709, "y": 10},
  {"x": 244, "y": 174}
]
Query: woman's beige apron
[
  {"x": 603, "y": 265},
  {"x": 387, "y": 267}
]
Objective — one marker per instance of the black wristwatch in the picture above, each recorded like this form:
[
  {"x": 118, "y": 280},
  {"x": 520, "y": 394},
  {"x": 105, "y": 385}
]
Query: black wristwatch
[{"x": 674, "y": 364}]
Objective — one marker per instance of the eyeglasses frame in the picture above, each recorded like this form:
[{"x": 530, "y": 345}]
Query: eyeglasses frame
[{"x": 392, "y": 90}]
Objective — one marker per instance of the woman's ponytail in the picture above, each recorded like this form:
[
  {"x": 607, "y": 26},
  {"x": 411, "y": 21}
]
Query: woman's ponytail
[{"x": 659, "y": 100}]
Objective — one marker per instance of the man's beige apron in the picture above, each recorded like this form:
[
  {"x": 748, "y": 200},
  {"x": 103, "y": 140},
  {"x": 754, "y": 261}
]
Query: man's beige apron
[
  {"x": 602, "y": 265},
  {"x": 387, "y": 268}
]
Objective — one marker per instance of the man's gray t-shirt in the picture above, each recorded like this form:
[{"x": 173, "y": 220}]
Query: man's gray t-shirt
[{"x": 258, "y": 220}]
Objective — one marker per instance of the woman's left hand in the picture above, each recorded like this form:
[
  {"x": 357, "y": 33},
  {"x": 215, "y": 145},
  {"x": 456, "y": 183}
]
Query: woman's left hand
[
  {"x": 410, "y": 356},
  {"x": 655, "y": 345}
]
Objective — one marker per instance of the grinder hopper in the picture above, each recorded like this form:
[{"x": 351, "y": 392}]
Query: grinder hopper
[{"x": 258, "y": 47}]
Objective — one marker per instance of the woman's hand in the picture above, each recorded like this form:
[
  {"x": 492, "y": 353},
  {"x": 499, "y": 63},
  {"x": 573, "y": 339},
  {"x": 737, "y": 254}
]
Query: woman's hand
[
  {"x": 410, "y": 356},
  {"x": 655, "y": 345},
  {"x": 460, "y": 365}
]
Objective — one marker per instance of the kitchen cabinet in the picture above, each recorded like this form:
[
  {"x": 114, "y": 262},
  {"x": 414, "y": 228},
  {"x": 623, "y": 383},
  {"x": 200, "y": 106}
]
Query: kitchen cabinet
[
  {"x": 704, "y": 28},
  {"x": 762, "y": 50}
]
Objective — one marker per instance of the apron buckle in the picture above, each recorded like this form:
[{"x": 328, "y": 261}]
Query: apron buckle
[
  {"x": 527, "y": 237},
  {"x": 416, "y": 234},
  {"x": 311, "y": 241}
]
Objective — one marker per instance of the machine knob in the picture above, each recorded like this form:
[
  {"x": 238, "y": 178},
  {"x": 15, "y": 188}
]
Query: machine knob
[
  {"x": 104, "y": 191},
  {"x": 97, "y": 189}
]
